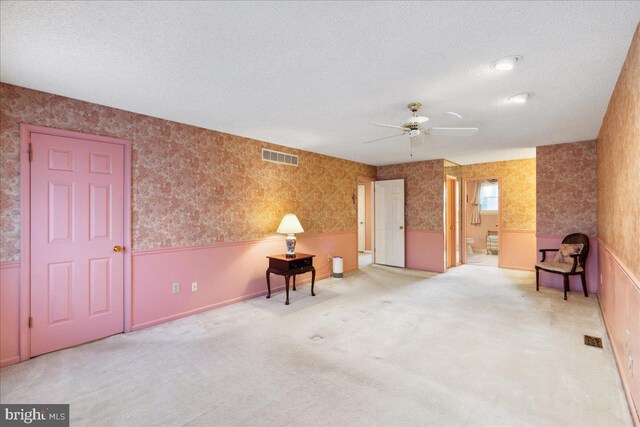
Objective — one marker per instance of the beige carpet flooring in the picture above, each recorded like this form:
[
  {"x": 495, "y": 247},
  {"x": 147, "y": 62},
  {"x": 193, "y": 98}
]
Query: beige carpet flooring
[
  {"x": 476, "y": 346},
  {"x": 481, "y": 258}
]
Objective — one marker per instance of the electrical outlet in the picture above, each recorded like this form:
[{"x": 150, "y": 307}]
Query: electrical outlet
[
  {"x": 175, "y": 287},
  {"x": 194, "y": 286},
  {"x": 601, "y": 278}
]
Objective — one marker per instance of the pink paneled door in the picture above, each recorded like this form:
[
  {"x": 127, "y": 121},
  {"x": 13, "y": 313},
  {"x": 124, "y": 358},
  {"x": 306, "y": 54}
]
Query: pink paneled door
[{"x": 77, "y": 225}]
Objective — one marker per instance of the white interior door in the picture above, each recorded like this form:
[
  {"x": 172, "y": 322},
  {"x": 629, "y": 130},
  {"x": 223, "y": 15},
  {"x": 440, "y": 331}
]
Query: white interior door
[
  {"x": 389, "y": 222},
  {"x": 361, "y": 210}
]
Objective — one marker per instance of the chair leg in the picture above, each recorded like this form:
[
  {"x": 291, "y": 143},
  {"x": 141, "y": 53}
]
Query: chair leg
[
  {"x": 584, "y": 284},
  {"x": 566, "y": 285},
  {"x": 537, "y": 279}
]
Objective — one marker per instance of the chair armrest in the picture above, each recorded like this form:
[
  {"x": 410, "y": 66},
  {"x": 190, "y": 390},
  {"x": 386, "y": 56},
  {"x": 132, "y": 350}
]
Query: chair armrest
[{"x": 544, "y": 253}]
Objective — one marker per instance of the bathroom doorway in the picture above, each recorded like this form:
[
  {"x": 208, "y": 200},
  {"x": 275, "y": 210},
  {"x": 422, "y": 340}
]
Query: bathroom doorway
[{"x": 482, "y": 221}]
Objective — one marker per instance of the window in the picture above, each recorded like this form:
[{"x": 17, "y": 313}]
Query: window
[{"x": 489, "y": 196}]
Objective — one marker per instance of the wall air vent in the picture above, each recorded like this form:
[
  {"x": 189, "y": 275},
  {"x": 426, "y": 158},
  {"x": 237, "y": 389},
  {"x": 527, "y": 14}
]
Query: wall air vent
[{"x": 278, "y": 157}]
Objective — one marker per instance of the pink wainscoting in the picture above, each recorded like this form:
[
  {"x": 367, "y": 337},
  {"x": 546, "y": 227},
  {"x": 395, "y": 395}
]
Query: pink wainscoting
[
  {"x": 225, "y": 272},
  {"x": 619, "y": 296},
  {"x": 425, "y": 250},
  {"x": 518, "y": 249},
  {"x": 9, "y": 313},
  {"x": 551, "y": 241}
]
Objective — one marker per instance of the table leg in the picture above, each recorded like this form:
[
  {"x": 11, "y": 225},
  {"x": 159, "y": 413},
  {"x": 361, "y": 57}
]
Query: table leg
[
  {"x": 286, "y": 279},
  {"x": 313, "y": 281},
  {"x": 268, "y": 285},
  {"x": 294, "y": 282}
]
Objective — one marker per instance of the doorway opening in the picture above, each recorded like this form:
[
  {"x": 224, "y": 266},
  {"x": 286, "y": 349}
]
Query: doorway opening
[
  {"x": 452, "y": 204},
  {"x": 365, "y": 221},
  {"x": 482, "y": 222}
]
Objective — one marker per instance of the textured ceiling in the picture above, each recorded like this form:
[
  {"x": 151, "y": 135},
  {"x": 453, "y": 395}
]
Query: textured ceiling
[{"x": 316, "y": 75}]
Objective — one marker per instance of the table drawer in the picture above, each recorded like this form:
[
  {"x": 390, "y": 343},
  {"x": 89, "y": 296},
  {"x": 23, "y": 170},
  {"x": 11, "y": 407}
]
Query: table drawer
[{"x": 300, "y": 263}]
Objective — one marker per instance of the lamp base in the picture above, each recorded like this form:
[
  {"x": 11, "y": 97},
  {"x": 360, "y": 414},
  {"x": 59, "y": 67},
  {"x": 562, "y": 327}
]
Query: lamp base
[{"x": 291, "y": 246}]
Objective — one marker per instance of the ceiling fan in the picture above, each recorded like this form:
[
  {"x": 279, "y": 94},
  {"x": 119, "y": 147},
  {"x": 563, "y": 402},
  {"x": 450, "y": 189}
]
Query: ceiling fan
[{"x": 416, "y": 126}]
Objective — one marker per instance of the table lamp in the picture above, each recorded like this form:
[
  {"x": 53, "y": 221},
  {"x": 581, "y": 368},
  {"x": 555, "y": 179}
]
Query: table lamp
[{"x": 289, "y": 226}]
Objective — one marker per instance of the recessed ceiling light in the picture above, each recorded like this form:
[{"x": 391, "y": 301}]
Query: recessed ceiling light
[
  {"x": 507, "y": 63},
  {"x": 521, "y": 98}
]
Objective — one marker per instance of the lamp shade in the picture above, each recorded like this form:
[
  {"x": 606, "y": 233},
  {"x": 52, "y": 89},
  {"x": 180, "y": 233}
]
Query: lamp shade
[{"x": 290, "y": 225}]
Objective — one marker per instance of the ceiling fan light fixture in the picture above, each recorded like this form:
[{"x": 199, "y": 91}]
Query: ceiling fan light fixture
[
  {"x": 507, "y": 63},
  {"x": 413, "y": 133},
  {"x": 521, "y": 98},
  {"x": 416, "y": 120}
]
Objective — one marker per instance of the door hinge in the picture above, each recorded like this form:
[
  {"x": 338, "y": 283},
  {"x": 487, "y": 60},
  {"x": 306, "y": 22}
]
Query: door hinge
[
  {"x": 30, "y": 153},
  {"x": 30, "y": 322}
]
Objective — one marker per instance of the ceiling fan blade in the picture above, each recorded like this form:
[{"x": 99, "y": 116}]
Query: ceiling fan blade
[
  {"x": 446, "y": 119},
  {"x": 452, "y": 131},
  {"x": 389, "y": 126},
  {"x": 386, "y": 137}
]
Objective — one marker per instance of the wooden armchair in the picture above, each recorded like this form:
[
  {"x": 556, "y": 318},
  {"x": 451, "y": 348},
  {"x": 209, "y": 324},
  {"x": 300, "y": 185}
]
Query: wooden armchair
[{"x": 566, "y": 269}]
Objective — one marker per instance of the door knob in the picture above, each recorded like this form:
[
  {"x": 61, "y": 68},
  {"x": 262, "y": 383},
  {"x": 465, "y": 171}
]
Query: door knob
[
  {"x": 402, "y": 227},
  {"x": 117, "y": 248},
  {"x": 361, "y": 222}
]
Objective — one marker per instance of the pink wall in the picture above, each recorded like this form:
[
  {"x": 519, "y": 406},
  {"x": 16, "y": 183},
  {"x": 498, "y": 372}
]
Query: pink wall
[
  {"x": 9, "y": 313},
  {"x": 618, "y": 179},
  {"x": 226, "y": 273},
  {"x": 518, "y": 249},
  {"x": 551, "y": 241},
  {"x": 425, "y": 250},
  {"x": 619, "y": 298}
]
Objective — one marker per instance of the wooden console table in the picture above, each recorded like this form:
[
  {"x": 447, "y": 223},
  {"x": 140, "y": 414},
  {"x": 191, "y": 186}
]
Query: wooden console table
[{"x": 287, "y": 267}]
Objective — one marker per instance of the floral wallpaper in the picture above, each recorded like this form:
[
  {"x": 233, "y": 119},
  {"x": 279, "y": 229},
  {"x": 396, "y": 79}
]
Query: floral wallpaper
[
  {"x": 424, "y": 192},
  {"x": 518, "y": 189},
  {"x": 191, "y": 186},
  {"x": 566, "y": 188},
  {"x": 618, "y": 146}
]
